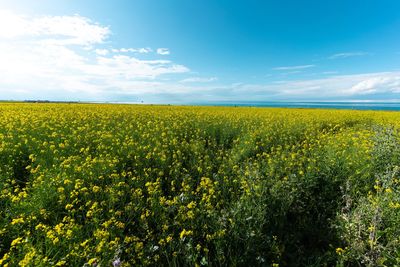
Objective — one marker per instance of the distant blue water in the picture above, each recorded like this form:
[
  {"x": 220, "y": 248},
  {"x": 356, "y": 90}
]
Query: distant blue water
[{"x": 326, "y": 105}]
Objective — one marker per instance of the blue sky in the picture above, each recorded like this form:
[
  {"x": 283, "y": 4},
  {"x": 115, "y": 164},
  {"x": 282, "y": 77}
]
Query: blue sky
[{"x": 205, "y": 51}]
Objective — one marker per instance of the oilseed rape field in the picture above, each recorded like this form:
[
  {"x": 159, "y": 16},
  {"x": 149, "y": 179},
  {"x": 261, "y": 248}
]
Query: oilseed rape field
[{"x": 142, "y": 185}]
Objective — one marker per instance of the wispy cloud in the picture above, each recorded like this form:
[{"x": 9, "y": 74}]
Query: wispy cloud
[
  {"x": 199, "y": 80},
  {"x": 163, "y": 51},
  {"x": 143, "y": 50},
  {"x": 329, "y": 72},
  {"x": 300, "y": 67},
  {"x": 332, "y": 87},
  {"x": 348, "y": 54},
  {"x": 359, "y": 86}
]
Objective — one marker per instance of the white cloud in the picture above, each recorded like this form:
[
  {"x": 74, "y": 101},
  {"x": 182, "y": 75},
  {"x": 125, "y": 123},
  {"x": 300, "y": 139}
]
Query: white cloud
[
  {"x": 125, "y": 50},
  {"x": 144, "y": 50},
  {"x": 60, "y": 30},
  {"x": 73, "y": 29},
  {"x": 58, "y": 57},
  {"x": 198, "y": 80},
  {"x": 163, "y": 51},
  {"x": 348, "y": 54},
  {"x": 101, "y": 52},
  {"x": 294, "y": 67},
  {"x": 12, "y": 25},
  {"x": 378, "y": 83},
  {"x": 131, "y": 68}
]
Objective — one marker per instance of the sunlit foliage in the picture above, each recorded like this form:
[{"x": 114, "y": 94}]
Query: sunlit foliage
[{"x": 124, "y": 185}]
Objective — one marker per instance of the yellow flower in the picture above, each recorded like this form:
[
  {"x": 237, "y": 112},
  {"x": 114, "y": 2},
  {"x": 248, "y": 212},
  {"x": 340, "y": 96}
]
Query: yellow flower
[
  {"x": 16, "y": 241},
  {"x": 27, "y": 258},
  {"x": 17, "y": 221},
  {"x": 185, "y": 233},
  {"x": 120, "y": 225},
  {"x": 92, "y": 261},
  {"x": 61, "y": 263},
  {"x": 339, "y": 251},
  {"x": 96, "y": 189},
  {"x": 84, "y": 243},
  {"x": 190, "y": 214},
  {"x": 191, "y": 205}
]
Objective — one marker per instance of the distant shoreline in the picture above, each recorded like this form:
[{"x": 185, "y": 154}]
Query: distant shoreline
[
  {"x": 389, "y": 106},
  {"x": 364, "y": 105}
]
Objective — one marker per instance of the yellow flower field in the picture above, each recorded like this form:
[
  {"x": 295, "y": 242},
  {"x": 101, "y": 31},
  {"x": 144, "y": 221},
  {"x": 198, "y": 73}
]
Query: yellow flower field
[{"x": 128, "y": 185}]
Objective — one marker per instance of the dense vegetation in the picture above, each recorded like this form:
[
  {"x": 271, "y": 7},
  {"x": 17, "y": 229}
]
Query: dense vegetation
[{"x": 121, "y": 185}]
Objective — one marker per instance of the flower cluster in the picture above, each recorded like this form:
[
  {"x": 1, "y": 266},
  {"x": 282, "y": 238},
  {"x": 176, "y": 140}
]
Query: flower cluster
[{"x": 125, "y": 185}]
